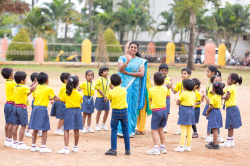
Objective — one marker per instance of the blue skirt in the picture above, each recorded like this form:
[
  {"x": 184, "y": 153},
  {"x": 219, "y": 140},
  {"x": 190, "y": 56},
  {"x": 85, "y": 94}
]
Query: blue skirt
[
  {"x": 8, "y": 112},
  {"x": 58, "y": 110},
  {"x": 32, "y": 103},
  {"x": 215, "y": 119},
  {"x": 205, "y": 110},
  {"x": 100, "y": 104},
  {"x": 87, "y": 107},
  {"x": 39, "y": 119},
  {"x": 233, "y": 118},
  {"x": 168, "y": 105},
  {"x": 73, "y": 119},
  {"x": 197, "y": 114},
  {"x": 186, "y": 115}
]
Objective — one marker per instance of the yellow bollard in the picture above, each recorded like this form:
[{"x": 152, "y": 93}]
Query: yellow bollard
[
  {"x": 45, "y": 48},
  {"x": 222, "y": 54},
  {"x": 170, "y": 53},
  {"x": 86, "y": 51}
]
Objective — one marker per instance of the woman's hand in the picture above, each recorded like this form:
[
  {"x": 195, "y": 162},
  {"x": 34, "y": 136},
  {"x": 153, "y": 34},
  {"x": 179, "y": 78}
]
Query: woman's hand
[
  {"x": 129, "y": 56},
  {"x": 125, "y": 72}
]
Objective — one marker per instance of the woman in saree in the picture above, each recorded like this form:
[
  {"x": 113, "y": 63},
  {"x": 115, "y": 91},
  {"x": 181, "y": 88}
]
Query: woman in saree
[{"x": 135, "y": 78}]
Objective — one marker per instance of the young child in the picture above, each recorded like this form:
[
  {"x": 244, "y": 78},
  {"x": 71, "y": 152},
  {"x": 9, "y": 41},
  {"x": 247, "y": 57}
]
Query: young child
[
  {"x": 39, "y": 119},
  {"x": 104, "y": 84},
  {"x": 7, "y": 74},
  {"x": 73, "y": 115},
  {"x": 233, "y": 117},
  {"x": 196, "y": 105},
  {"x": 88, "y": 101},
  {"x": 185, "y": 74},
  {"x": 214, "y": 115},
  {"x": 158, "y": 95},
  {"x": 186, "y": 115},
  {"x": 20, "y": 113},
  {"x": 58, "y": 108},
  {"x": 164, "y": 69},
  {"x": 119, "y": 106}
]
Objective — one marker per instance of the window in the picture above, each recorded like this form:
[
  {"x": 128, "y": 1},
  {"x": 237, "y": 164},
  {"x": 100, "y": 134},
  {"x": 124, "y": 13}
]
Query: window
[
  {"x": 202, "y": 42},
  {"x": 245, "y": 37}
]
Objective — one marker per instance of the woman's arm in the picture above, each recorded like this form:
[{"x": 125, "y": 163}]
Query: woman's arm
[
  {"x": 121, "y": 65},
  {"x": 140, "y": 72}
]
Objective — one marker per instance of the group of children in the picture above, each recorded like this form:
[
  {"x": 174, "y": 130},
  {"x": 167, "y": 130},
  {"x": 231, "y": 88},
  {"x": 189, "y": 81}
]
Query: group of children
[{"x": 72, "y": 109}]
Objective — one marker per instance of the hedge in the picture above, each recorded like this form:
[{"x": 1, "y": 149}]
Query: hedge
[{"x": 110, "y": 39}]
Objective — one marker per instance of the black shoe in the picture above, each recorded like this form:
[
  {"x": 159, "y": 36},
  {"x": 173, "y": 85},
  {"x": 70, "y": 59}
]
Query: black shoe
[
  {"x": 111, "y": 152},
  {"x": 211, "y": 145},
  {"x": 127, "y": 152}
]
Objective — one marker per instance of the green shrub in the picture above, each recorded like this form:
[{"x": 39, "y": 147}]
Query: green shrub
[
  {"x": 113, "y": 58},
  {"x": 20, "y": 52},
  {"x": 5, "y": 31},
  {"x": 110, "y": 39}
]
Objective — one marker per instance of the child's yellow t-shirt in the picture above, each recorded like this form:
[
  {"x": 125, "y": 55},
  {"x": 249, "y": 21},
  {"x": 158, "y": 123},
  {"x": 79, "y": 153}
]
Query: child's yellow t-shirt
[
  {"x": 187, "y": 98},
  {"x": 166, "y": 81},
  {"x": 209, "y": 90},
  {"x": 118, "y": 98},
  {"x": 215, "y": 101},
  {"x": 43, "y": 94},
  {"x": 20, "y": 93},
  {"x": 74, "y": 100},
  {"x": 9, "y": 90},
  {"x": 232, "y": 99},
  {"x": 179, "y": 87},
  {"x": 62, "y": 89},
  {"x": 158, "y": 95},
  {"x": 197, "y": 97},
  {"x": 88, "y": 88},
  {"x": 103, "y": 84}
]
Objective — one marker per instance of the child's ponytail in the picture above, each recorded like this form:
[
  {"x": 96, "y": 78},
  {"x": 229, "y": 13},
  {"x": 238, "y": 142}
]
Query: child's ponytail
[
  {"x": 214, "y": 70},
  {"x": 218, "y": 73},
  {"x": 72, "y": 83},
  {"x": 236, "y": 78},
  {"x": 240, "y": 80}
]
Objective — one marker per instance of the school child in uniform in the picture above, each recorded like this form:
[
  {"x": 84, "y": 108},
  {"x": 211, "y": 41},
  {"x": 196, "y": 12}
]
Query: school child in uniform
[
  {"x": 104, "y": 84},
  {"x": 39, "y": 119},
  {"x": 58, "y": 108},
  {"x": 186, "y": 115},
  {"x": 185, "y": 74},
  {"x": 7, "y": 74},
  {"x": 88, "y": 102},
  {"x": 73, "y": 115},
  {"x": 214, "y": 115},
  {"x": 119, "y": 106},
  {"x": 233, "y": 117},
  {"x": 157, "y": 95},
  {"x": 196, "y": 106},
  {"x": 20, "y": 113},
  {"x": 164, "y": 69}
]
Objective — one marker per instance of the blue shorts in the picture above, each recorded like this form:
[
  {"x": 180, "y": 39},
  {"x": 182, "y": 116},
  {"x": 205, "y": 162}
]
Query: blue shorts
[
  {"x": 39, "y": 119},
  {"x": 87, "y": 107},
  {"x": 73, "y": 119},
  {"x": 168, "y": 105},
  {"x": 58, "y": 110},
  {"x": 215, "y": 119},
  {"x": 159, "y": 119},
  {"x": 100, "y": 104},
  {"x": 233, "y": 118},
  {"x": 197, "y": 114},
  {"x": 20, "y": 116},
  {"x": 8, "y": 113},
  {"x": 186, "y": 115}
]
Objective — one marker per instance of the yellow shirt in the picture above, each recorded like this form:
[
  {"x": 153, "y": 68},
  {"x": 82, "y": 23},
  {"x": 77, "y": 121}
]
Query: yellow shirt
[
  {"x": 197, "y": 97},
  {"x": 158, "y": 95},
  {"x": 88, "y": 88},
  {"x": 72, "y": 101},
  {"x": 187, "y": 98},
  {"x": 62, "y": 89},
  {"x": 209, "y": 90},
  {"x": 179, "y": 87},
  {"x": 43, "y": 94},
  {"x": 118, "y": 98},
  {"x": 232, "y": 99},
  {"x": 166, "y": 81},
  {"x": 20, "y": 93},
  {"x": 103, "y": 84},
  {"x": 9, "y": 90},
  {"x": 215, "y": 101},
  {"x": 33, "y": 94}
]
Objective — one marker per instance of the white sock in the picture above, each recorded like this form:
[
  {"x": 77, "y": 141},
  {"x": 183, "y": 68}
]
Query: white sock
[
  {"x": 103, "y": 124},
  {"x": 33, "y": 145},
  {"x": 20, "y": 142},
  {"x": 97, "y": 125},
  {"x": 162, "y": 146},
  {"x": 156, "y": 147},
  {"x": 75, "y": 146},
  {"x": 65, "y": 147},
  {"x": 27, "y": 131},
  {"x": 10, "y": 140},
  {"x": 62, "y": 127},
  {"x": 218, "y": 135},
  {"x": 57, "y": 129},
  {"x": 88, "y": 127},
  {"x": 43, "y": 146},
  {"x": 15, "y": 142}
]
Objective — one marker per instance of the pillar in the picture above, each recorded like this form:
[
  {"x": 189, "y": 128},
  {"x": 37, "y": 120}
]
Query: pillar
[
  {"x": 209, "y": 54},
  {"x": 86, "y": 51},
  {"x": 45, "y": 48},
  {"x": 170, "y": 53},
  {"x": 151, "y": 49},
  {"x": 4, "y": 47},
  {"x": 39, "y": 50},
  {"x": 222, "y": 54}
]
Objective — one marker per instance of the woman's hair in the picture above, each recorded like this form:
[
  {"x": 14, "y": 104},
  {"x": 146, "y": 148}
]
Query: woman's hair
[
  {"x": 188, "y": 84},
  {"x": 72, "y": 83},
  {"x": 88, "y": 71},
  {"x": 218, "y": 88},
  {"x": 236, "y": 78},
  {"x": 134, "y": 42},
  {"x": 103, "y": 68},
  {"x": 196, "y": 82},
  {"x": 214, "y": 70}
]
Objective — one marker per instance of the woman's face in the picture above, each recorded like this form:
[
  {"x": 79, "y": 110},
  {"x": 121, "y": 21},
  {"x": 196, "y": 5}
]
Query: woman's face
[
  {"x": 209, "y": 73},
  {"x": 133, "y": 49}
]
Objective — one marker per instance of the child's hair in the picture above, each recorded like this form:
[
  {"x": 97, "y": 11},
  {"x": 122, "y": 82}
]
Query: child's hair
[
  {"x": 103, "y": 68},
  {"x": 188, "y": 84},
  {"x": 163, "y": 66},
  {"x": 215, "y": 70},
  {"x": 134, "y": 42},
  {"x": 6, "y": 72},
  {"x": 20, "y": 76},
  {"x": 159, "y": 78},
  {"x": 218, "y": 88},
  {"x": 64, "y": 76},
  {"x": 33, "y": 76},
  {"x": 187, "y": 70},
  {"x": 42, "y": 78},
  {"x": 115, "y": 79},
  {"x": 212, "y": 78},
  {"x": 88, "y": 71},
  {"x": 72, "y": 83},
  {"x": 196, "y": 82},
  {"x": 236, "y": 78}
]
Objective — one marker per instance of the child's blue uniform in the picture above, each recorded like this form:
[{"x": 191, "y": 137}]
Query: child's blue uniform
[
  {"x": 215, "y": 117},
  {"x": 10, "y": 100},
  {"x": 103, "y": 84}
]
